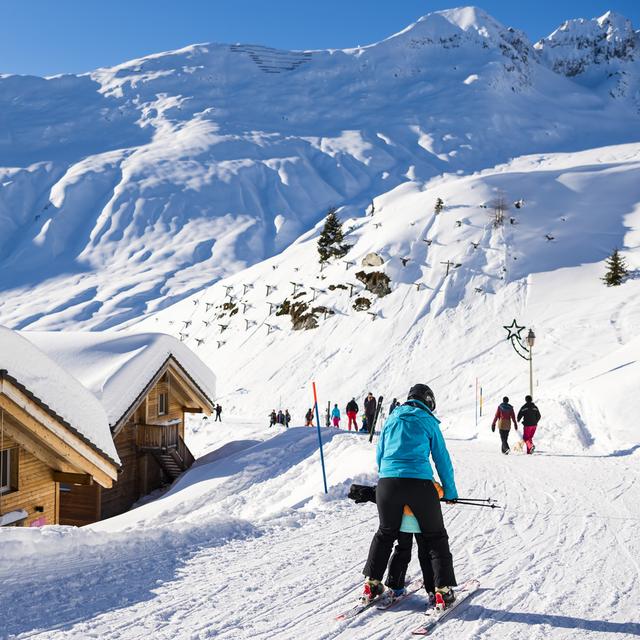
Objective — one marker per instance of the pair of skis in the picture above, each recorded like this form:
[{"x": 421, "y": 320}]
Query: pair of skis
[
  {"x": 372, "y": 427},
  {"x": 430, "y": 619}
]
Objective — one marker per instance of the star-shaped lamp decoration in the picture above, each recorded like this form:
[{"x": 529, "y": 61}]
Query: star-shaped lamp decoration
[{"x": 514, "y": 330}]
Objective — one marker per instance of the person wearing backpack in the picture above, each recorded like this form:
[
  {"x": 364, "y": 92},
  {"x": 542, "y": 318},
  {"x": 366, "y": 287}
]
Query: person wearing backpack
[
  {"x": 308, "y": 418},
  {"x": 504, "y": 416},
  {"x": 409, "y": 438},
  {"x": 529, "y": 415}
]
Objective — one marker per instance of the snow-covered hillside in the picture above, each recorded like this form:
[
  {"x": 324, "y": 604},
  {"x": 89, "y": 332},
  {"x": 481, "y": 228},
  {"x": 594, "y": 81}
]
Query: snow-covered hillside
[
  {"x": 542, "y": 266},
  {"x": 126, "y": 189}
]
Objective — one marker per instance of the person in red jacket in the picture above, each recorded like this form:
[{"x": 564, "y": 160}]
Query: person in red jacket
[{"x": 504, "y": 417}]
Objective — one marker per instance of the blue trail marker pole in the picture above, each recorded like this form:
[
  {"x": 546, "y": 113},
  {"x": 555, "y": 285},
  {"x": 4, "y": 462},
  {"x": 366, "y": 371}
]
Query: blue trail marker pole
[{"x": 324, "y": 473}]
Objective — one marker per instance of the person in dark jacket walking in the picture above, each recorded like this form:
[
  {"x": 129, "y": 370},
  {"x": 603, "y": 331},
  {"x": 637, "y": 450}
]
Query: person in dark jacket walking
[
  {"x": 218, "y": 413},
  {"x": 529, "y": 415},
  {"x": 287, "y": 418},
  {"x": 394, "y": 404},
  {"x": 273, "y": 416},
  {"x": 352, "y": 413},
  {"x": 410, "y": 436},
  {"x": 504, "y": 416},
  {"x": 370, "y": 408}
]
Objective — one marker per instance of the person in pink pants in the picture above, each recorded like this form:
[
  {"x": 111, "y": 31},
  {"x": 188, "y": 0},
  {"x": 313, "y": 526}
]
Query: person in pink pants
[
  {"x": 352, "y": 413},
  {"x": 335, "y": 416},
  {"x": 529, "y": 415}
]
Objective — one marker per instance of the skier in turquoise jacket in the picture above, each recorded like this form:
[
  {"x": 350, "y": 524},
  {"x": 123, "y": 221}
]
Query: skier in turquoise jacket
[
  {"x": 335, "y": 416},
  {"x": 410, "y": 436}
]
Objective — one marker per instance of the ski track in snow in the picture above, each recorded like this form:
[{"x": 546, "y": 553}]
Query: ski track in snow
[{"x": 559, "y": 560}]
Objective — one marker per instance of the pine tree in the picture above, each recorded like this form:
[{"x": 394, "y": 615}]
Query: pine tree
[
  {"x": 439, "y": 206},
  {"x": 331, "y": 242},
  {"x": 616, "y": 270}
]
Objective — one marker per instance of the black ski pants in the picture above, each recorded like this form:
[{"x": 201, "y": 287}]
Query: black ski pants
[
  {"x": 504, "y": 436},
  {"x": 421, "y": 497},
  {"x": 370, "y": 418},
  {"x": 400, "y": 558}
]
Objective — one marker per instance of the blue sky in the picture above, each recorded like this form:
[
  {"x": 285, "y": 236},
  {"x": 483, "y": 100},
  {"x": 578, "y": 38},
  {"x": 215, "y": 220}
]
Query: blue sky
[{"x": 45, "y": 37}]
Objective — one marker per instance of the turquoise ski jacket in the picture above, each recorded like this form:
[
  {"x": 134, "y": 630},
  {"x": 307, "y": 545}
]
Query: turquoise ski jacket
[{"x": 410, "y": 435}]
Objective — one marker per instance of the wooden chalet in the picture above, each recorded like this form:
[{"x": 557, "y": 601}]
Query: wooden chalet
[
  {"x": 147, "y": 424},
  {"x": 40, "y": 450}
]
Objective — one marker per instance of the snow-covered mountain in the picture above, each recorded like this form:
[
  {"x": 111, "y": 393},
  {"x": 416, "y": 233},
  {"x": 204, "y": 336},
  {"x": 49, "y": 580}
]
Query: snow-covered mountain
[
  {"x": 129, "y": 188},
  {"x": 603, "y": 53}
]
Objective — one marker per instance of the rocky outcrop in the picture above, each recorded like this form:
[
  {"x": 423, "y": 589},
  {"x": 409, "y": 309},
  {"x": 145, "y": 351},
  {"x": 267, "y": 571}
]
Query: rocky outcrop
[{"x": 377, "y": 282}]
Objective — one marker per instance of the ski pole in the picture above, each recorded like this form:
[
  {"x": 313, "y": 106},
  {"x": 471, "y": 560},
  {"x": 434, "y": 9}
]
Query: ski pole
[
  {"x": 491, "y": 505},
  {"x": 477, "y": 499}
]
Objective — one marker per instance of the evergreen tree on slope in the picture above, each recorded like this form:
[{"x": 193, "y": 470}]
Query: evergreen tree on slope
[
  {"x": 331, "y": 242},
  {"x": 616, "y": 270}
]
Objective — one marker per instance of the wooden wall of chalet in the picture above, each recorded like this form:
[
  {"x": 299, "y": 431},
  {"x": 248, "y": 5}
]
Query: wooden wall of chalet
[
  {"x": 36, "y": 488},
  {"x": 79, "y": 504},
  {"x": 140, "y": 473},
  {"x": 176, "y": 401}
]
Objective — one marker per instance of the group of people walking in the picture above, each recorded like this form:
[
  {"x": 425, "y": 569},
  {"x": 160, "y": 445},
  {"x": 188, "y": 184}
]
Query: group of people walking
[
  {"x": 529, "y": 415},
  {"x": 279, "y": 418},
  {"x": 352, "y": 409}
]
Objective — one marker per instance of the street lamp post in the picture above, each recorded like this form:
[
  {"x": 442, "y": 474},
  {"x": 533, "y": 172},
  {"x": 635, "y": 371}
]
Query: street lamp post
[
  {"x": 518, "y": 343},
  {"x": 531, "y": 338}
]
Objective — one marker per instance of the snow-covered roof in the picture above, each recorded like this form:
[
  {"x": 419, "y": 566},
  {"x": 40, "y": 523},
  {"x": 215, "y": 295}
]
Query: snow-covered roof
[
  {"x": 118, "y": 366},
  {"x": 56, "y": 388}
]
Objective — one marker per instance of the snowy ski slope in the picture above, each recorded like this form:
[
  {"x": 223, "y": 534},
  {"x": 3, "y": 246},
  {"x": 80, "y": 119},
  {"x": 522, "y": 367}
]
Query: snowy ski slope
[
  {"x": 184, "y": 193},
  {"x": 246, "y": 545}
]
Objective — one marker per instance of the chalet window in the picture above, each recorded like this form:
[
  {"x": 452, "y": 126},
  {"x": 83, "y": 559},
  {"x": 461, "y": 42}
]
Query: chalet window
[
  {"x": 8, "y": 470},
  {"x": 163, "y": 404}
]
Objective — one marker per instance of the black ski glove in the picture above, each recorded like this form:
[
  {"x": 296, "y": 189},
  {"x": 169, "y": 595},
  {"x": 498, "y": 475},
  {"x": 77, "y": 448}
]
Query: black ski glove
[{"x": 360, "y": 493}]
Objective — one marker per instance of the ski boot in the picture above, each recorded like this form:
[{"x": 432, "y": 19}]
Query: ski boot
[
  {"x": 444, "y": 597},
  {"x": 372, "y": 590},
  {"x": 394, "y": 594}
]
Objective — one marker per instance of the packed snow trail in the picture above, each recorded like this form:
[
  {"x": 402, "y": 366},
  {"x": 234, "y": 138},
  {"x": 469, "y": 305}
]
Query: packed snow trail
[{"x": 560, "y": 561}]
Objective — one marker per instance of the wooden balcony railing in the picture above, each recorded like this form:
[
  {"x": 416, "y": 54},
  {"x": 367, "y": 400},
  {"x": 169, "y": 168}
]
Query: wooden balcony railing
[
  {"x": 157, "y": 437},
  {"x": 162, "y": 438}
]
